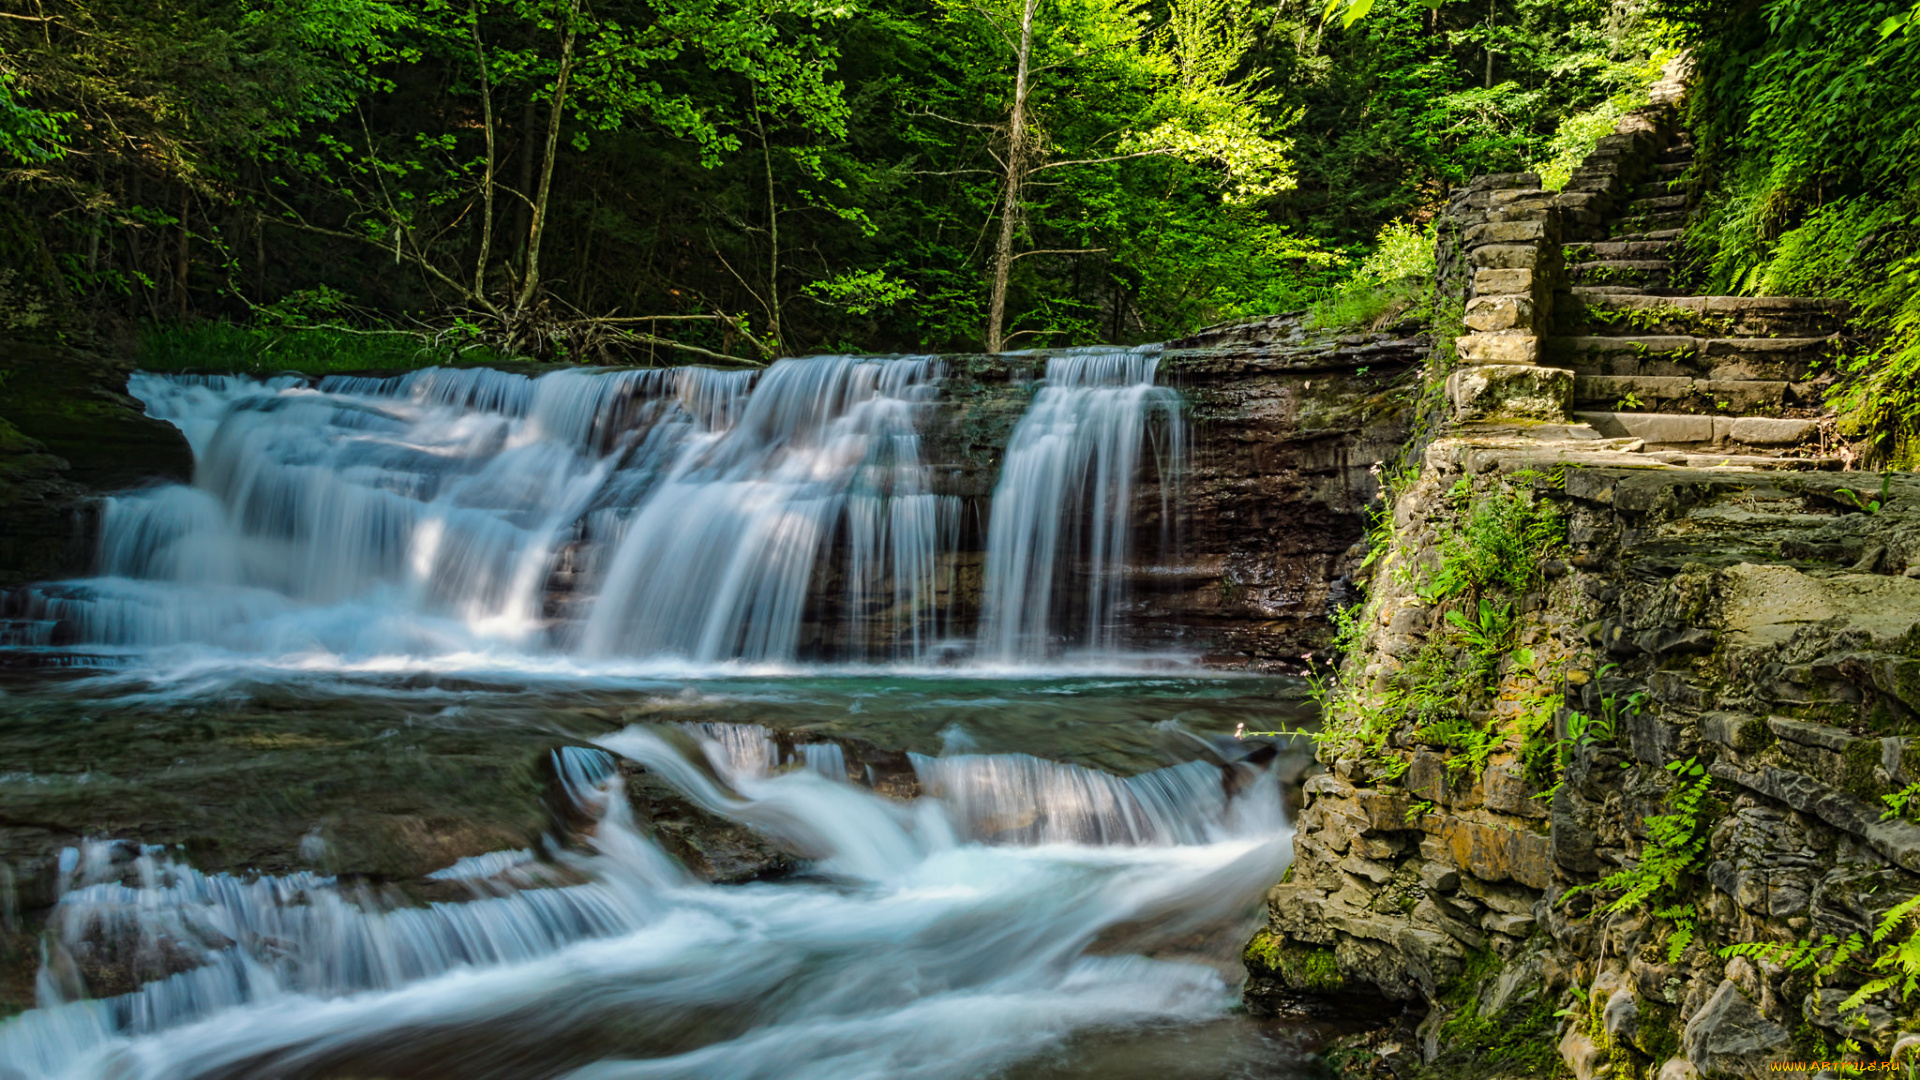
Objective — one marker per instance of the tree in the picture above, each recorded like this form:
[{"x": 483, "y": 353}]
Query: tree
[
  {"x": 1175, "y": 91},
  {"x": 426, "y": 198}
]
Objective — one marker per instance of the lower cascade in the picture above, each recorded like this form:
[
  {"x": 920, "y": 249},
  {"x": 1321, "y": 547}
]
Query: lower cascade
[
  {"x": 686, "y": 514},
  {"x": 948, "y": 935}
]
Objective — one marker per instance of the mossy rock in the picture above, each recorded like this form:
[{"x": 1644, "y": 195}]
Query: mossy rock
[{"x": 1296, "y": 968}]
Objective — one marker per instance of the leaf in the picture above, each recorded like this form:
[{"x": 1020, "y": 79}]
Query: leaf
[
  {"x": 1891, "y": 26},
  {"x": 1357, "y": 11}
]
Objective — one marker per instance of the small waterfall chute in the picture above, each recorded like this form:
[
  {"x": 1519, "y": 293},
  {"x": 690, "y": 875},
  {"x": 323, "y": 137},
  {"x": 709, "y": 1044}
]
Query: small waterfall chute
[{"x": 1059, "y": 538}]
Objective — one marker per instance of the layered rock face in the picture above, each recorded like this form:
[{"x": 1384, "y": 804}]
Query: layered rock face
[
  {"x": 1232, "y": 559},
  {"x": 67, "y": 431},
  {"x": 1619, "y": 770}
]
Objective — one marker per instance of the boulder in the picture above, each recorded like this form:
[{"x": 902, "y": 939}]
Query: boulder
[{"x": 1729, "y": 1036}]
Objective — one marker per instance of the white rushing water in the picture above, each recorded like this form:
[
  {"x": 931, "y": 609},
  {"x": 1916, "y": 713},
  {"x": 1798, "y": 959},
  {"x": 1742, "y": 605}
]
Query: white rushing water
[
  {"x": 1016, "y": 903},
  {"x": 1064, "y": 502},
  {"x": 690, "y": 516},
  {"x": 447, "y": 511}
]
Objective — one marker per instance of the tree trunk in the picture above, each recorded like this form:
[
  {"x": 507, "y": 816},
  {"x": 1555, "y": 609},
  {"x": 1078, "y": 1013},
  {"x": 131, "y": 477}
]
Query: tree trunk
[
  {"x": 180, "y": 256},
  {"x": 522, "y": 217},
  {"x": 773, "y": 233},
  {"x": 1490, "y": 11},
  {"x": 486, "y": 184},
  {"x": 531, "y": 284},
  {"x": 1016, "y": 171}
]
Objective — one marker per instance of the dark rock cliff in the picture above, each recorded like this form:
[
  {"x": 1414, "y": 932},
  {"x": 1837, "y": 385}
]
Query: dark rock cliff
[{"x": 69, "y": 432}]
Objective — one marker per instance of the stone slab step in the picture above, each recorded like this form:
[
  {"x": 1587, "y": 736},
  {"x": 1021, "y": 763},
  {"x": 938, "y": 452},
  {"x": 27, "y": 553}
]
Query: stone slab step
[
  {"x": 1657, "y": 204},
  {"x": 1611, "y": 313},
  {"x": 1797, "y": 360},
  {"x": 1655, "y": 235},
  {"x": 1672, "y": 168},
  {"x": 1639, "y": 223},
  {"x": 1682, "y": 394},
  {"x": 1617, "y": 250},
  {"x": 1667, "y": 429},
  {"x": 1648, "y": 273}
]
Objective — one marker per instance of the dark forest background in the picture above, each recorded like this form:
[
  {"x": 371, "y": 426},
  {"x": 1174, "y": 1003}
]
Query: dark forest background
[{"x": 732, "y": 180}]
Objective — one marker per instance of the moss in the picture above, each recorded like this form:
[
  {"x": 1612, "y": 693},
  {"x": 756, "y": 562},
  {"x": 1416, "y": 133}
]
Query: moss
[
  {"x": 1857, "y": 765},
  {"x": 1660, "y": 1030},
  {"x": 1304, "y": 970},
  {"x": 1519, "y": 1041}
]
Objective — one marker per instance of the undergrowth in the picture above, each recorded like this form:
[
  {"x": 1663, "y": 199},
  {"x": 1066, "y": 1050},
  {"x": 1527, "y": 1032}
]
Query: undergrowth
[
  {"x": 1394, "y": 281},
  {"x": 1808, "y": 122},
  {"x": 1444, "y": 692}
]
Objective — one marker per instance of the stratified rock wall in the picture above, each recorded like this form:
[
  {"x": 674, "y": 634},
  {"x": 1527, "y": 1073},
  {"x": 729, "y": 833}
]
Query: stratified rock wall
[{"x": 1709, "y": 690}]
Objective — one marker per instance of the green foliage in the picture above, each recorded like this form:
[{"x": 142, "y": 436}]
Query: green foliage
[
  {"x": 1417, "y": 97},
  {"x": 1898, "y": 803},
  {"x": 1443, "y": 692},
  {"x": 1573, "y": 141},
  {"x": 1675, "y": 841},
  {"x": 268, "y": 350},
  {"x": 1394, "y": 281},
  {"x": 1896, "y": 967},
  {"x": 1870, "y": 504},
  {"x": 1806, "y": 113},
  {"x": 753, "y": 177},
  {"x": 29, "y": 136},
  {"x": 1499, "y": 544}
]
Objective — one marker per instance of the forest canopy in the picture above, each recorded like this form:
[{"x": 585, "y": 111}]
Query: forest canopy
[{"x": 740, "y": 179}]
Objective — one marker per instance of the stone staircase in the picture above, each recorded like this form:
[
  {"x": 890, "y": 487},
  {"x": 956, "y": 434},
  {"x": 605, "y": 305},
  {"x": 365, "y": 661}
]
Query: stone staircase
[
  {"x": 1576, "y": 310},
  {"x": 1655, "y": 363}
]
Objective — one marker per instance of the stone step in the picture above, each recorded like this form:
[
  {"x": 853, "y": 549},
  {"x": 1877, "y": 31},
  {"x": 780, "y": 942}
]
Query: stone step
[
  {"x": 1610, "y": 314},
  {"x": 1611, "y": 250},
  {"x": 1642, "y": 273},
  {"x": 1669, "y": 219},
  {"x": 1658, "y": 204},
  {"x": 1683, "y": 394},
  {"x": 1796, "y": 360},
  {"x": 1657, "y": 189},
  {"x": 1672, "y": 429},
  {"x": 1657, "y": 234},
  {"x": 1672, "y": 168}
]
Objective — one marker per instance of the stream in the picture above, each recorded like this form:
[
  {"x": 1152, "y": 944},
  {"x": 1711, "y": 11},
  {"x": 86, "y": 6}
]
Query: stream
[{"x": 1008, "y": 846}]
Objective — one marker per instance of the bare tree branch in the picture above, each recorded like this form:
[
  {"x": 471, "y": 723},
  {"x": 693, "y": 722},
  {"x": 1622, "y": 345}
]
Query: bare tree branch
[
  {"x": 1060, "y": 251},
  {"x": 1103, "y": 160}
]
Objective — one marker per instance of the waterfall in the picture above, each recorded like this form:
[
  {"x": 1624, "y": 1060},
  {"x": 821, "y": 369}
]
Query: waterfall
[
  {"x": 716, "y": 563},
  {"x": 942, "y": 947},
  {"x": 683, "y": 513},
  {"x": 1062, "y": 514},
  {"x": 676, "y": 517}
]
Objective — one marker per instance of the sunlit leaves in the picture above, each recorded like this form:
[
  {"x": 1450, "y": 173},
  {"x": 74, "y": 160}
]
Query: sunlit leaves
[{"x": 31, "y": 136}]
